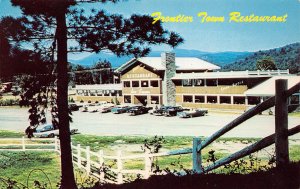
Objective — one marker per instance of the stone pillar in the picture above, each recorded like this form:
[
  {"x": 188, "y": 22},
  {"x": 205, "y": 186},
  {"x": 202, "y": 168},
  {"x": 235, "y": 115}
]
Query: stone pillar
[{"x": 168, "y": 87}]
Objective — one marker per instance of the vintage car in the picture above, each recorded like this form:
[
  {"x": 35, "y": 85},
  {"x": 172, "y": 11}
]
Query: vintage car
[
  {"x": 106, "y": 108},
  {"x": 192, "y": 113},
  {"x": 73, "y": 107},
  {"x": 97, "y": 106},
  {"x": 137, "y": 110},
  {"x": 160, "y": 111},
  {"x": 47, "y": 130},
  {"x": 120, "y": 109},
  {"x": 172, "y": 111}
]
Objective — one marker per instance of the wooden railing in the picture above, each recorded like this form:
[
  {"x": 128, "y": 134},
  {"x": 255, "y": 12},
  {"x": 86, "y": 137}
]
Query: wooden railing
[{"x": 25, "y": 144}]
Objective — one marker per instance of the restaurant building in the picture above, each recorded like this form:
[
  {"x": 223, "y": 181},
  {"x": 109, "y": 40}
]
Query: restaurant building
[{"x": 189, "y": 82}]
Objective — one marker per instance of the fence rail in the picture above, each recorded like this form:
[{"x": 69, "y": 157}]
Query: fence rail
[{"x": 25, "y": 144}]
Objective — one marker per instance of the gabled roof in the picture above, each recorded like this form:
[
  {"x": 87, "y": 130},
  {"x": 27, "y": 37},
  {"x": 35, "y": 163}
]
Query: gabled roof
[
  {"x": 182, "y": 63},
  {"x": 267, "y": 88}
]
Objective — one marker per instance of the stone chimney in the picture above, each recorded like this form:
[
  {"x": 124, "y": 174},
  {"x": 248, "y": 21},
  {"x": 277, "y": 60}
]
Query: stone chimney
[{"x": 168, "y": 87}]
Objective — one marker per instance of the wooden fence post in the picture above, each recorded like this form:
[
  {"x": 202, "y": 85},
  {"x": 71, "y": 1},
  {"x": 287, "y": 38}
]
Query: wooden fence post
[
  {"x": 120, "y": 167},
  {"x": 148, "y": 164},
  {"x": 88, "y": 160},
  {"x": 101, "y": 168},
  {"x": 78, "y": 155},
  {"x": 197, "y": 159},
  {"x": 23, "y": 143},
  {"x": 281, "y": 124}
]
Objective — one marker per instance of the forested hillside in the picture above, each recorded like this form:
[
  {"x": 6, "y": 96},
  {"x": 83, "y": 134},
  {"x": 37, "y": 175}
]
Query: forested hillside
[{"x": 287, "y": 57}]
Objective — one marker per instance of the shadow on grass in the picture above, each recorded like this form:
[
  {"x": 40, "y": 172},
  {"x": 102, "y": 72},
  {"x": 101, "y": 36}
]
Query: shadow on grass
[{"x": 284, "y": 178}]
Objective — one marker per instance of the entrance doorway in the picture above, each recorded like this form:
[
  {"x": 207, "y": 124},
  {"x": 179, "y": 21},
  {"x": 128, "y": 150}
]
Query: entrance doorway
[{"x": 140, "y": 100}]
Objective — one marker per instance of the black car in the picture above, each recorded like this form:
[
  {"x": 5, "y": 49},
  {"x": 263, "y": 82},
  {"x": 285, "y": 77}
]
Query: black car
[
  {"x": 73, "y": 107},
  {"x": 137, "y": 110},
  {"x": 160, "y": 111},
  {"x": 172, "y": 111}
]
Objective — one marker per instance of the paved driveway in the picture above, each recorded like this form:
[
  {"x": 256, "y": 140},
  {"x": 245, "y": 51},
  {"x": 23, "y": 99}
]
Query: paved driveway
[{"x": 123, "y": 124}]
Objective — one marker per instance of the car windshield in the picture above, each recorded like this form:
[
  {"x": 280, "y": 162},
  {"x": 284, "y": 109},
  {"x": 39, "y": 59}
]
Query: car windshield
[{"x": 41, "y": 127}]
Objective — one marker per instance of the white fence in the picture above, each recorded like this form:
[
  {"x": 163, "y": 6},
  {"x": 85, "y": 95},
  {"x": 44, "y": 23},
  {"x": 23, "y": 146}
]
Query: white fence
[
  {"x": 25, "y": 144},
  {"x": 95, "y": 162}
]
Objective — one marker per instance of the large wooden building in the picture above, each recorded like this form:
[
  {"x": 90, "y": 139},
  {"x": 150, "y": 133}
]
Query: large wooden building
[{"x": 189, "y": 82}]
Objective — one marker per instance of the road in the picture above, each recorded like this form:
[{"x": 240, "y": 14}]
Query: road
[{"x": 16, "y": 119}]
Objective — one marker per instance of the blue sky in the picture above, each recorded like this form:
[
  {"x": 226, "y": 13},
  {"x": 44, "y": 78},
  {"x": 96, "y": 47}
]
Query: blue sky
[{"x": 213, "y": 37}]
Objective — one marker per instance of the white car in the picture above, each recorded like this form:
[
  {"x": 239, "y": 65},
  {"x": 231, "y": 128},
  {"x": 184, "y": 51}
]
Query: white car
[{"x": 44, "y": 131}]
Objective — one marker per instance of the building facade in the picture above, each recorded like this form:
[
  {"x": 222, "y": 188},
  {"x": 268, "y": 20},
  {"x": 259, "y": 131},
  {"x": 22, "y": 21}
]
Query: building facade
[{"x": 189, "y": 82}]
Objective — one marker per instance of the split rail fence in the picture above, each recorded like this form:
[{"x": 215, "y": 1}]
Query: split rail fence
[{"x": 94, "y": 162}]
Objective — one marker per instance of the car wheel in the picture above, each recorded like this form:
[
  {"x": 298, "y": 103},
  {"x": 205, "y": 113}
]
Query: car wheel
[{"x": 51, "y": 135}]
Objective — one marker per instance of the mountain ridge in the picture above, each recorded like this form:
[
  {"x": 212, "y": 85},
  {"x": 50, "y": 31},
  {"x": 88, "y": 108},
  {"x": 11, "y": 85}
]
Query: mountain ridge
[{"x": 219, "y": 58}]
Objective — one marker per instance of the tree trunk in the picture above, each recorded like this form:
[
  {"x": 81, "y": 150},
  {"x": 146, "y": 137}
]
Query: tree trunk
[{"x": 67, "y": 179}]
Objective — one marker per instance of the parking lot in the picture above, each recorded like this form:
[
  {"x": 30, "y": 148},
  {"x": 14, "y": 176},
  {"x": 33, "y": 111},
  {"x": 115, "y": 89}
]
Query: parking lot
[{"x": 16, "y": 119}]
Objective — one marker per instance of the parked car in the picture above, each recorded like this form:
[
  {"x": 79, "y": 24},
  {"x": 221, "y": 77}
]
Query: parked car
[
  {"x": 120, "y": 109},
  {"x": 192, "y": 113},
  {"x": 84, "y": 108},
  {"x": 73, "y": 107},
  {"x": 160, "y": 111},
  {"x": 47, "y": 130},
  {"x": 137, "y": 110},
  {"x": 172, "y": 111},
  {"x": 97, "y": 106},
  {"x": 106, "y": 108}
]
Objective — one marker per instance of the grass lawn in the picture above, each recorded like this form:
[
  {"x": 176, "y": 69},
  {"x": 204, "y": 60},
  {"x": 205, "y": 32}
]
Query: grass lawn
[
  {"x": 27, "y": 166},
  {"x": 18, "y": 165},
  {"x": 295, "y": 114}
]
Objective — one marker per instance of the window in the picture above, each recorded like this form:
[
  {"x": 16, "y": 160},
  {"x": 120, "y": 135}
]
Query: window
[
  {"x": 199, "y": 99},
  {"x": 187, "y": 82},
  {"x": 135, "y": 84},
  {"x": 127, "y": 99},
  {"x": 252, "y": 100},
  {"x": 211, "y": 82},
  {"x": 154, "y": 100},
  {"x": 154, "y": 83},
  {"x": 238, "y": 100},
  {"x": 198, "y": 82},
  {"x": 212, "y": 99},
  {"x": 126, "y": 84},
  {"x": 187, "y": 98},
  {"x": 145, "y": 83},
  {"x": 225, "y": 99},
  {"x": 294, "y": 99}
]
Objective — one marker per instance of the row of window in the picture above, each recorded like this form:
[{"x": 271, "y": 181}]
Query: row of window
[
  {"x": 223, "y": 99},
  {"x": 153, "y": 99},
  {"x": 142, "y": 83},
  {"x": 99, "y": 93},
  {"x": 212, "y": 82}
]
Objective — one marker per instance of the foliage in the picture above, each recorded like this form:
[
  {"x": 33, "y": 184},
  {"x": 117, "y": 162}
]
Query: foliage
[
  {"x": 87, "y": 75},
  {"x": 39, "y": 93},
  {"x": 9, "y": 102},
  {"x": 266, "y": 63},
  {"x": 14, "y": 59},
  {"x": 287, "y": 57}
]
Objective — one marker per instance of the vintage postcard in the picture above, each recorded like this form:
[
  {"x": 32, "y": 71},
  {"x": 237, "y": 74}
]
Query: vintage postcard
[{"x": 147, "y": 94}]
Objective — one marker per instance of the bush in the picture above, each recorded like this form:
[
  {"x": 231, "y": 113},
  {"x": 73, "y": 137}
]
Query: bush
[{"x": 9, "y": 102}]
